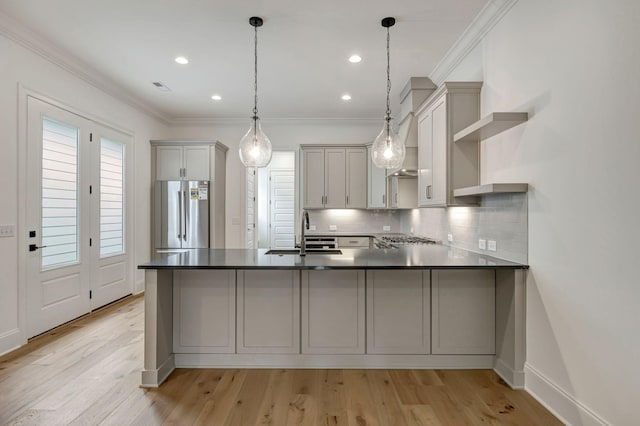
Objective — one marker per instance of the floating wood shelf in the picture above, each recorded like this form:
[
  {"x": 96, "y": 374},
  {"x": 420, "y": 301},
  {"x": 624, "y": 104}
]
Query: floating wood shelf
[
  {"x": 491, "y": 188},
  {"x": 491, "y": 125}
]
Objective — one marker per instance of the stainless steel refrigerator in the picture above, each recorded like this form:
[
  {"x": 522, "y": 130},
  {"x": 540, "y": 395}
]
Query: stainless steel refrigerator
[{"x": 181, "y": 214}]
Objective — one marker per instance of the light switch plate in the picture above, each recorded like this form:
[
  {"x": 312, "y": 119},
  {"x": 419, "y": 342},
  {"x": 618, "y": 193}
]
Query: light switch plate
[
  {"x": 333, "y": 228},
  {"x": 492, "y": 245},
  {"x": 312, "y": 227},
  {"x": 482, "y": 244},
  {"x": 7, "y": 230},
  {"x": 386, "y": 228}
]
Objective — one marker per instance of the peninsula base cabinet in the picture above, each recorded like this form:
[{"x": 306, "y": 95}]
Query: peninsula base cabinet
[
  {"x": 315, "y": 312},
  {"x": 398, "y": 312},
  {"x": 463, "y": 311},
  {"x": 268, "y": 312},
  {"x": 204, "y": 311},
  {"x": 333, "y": 312}
]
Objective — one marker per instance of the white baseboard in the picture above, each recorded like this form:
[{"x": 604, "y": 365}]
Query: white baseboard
[
  {"x": 154, "y": 378},
  {"x": 11, "y": 340},
  {"x": 562, "y": 404},
  {"x": 514, "y": 378},
  {"x": 333, "y": 361}
]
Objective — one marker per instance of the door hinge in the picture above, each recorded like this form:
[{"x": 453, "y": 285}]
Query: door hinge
[
  {"x": 90, "y": 242},
  {"x": 90, "y": 137},
  {"x": 90, "y": 294},
  {"x": 90, "y": 189}
]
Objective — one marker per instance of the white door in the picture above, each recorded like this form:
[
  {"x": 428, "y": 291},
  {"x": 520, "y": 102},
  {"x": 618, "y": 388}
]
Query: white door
[
  {"x": 58, "y": 218},
  {"x": 110, "y": 262},
  {"x": 282, "y": 202},
  {"x": 76, "y": 217},
  {"x": 250, "y": 242}
]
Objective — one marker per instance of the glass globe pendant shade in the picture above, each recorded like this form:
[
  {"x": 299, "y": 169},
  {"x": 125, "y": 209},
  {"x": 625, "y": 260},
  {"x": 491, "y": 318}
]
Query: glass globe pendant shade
[
  {"x": 388, "y": 151},
  {"x": 255, "y": 147}
]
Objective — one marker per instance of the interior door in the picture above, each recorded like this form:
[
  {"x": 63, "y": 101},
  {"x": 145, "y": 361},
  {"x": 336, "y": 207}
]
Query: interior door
[
  {"x": 282, "y": 202},
  {"x": 58, "y": 274}
]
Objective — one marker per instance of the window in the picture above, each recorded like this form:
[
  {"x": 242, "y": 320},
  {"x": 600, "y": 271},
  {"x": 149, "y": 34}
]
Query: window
[
  {"x": 59, "y": 193},
  {"x": 111, "y": 198}
]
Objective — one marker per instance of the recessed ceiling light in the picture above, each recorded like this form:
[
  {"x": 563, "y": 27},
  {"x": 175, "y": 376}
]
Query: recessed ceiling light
[
  {"x": 346, "y": 97},
  {"x": 216, "y": 97},
  {"x": 182, "y": 60},
  {"x": 354, "y": 59}
]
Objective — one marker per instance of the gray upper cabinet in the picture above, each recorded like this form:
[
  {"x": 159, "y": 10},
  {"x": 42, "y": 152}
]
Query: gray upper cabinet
[
  {"x": 356, "y": 184},
  {"x": 334, "y": 177},
  {"x": 444, "y": 165},
  {"x": 376, "y": 184},
  {"x": 182, "y": 162}
]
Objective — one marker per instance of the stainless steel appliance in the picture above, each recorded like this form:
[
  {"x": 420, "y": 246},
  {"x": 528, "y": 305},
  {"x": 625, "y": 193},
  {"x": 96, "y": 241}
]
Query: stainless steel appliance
[
  {"x": 393, "y": 241},
  {"x": 181, "y": 214}
]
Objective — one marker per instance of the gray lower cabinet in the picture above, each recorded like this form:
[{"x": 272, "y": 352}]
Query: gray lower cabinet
[
  {"x": 333, "y": 312},
  {"x": 398, "y": 312},
  {"x": 204, "y": 311},
  {"x": 463, "y": 311},
  {"x": 268, "y": 311}
]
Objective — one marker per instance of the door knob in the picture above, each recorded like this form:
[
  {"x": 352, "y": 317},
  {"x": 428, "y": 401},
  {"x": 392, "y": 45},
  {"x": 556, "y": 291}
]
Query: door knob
[{"x": 33, "y": 247}]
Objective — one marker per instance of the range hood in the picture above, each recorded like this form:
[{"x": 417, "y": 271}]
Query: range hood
[
  {"x": 409, "y": 136},
  {"x": 415, "y": 92}
]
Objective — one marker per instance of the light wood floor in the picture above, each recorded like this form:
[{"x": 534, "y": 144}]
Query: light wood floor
[{"x": 87, "y": 373}]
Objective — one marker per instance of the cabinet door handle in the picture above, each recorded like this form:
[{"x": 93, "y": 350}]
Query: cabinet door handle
[{"x": 429, "y": 191}]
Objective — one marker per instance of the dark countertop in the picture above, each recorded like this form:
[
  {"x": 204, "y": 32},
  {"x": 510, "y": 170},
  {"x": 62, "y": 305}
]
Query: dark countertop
[{"x": 432, "y": 256}]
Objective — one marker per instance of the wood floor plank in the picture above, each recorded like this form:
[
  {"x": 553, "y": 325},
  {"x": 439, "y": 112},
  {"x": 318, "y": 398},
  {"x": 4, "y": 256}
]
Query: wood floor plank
[
  {"x": 385, "y": 397},
  {"x": 216, "y": 410},
  {"x": 274, "y": 408},
  {"x": 247, "y": 404},
  {"x": 88, "y": 372}
]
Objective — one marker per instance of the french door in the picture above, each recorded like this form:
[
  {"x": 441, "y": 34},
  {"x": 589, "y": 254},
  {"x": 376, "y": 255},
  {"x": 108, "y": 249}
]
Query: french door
[{"x": 78, "y": 256}]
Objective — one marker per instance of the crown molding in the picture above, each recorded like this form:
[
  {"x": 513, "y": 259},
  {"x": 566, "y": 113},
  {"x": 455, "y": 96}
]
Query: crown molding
[
  {"x": 241, "y": 121},
  {"x": 488, "y": 17},
  {"x": 28, "y": 39}
]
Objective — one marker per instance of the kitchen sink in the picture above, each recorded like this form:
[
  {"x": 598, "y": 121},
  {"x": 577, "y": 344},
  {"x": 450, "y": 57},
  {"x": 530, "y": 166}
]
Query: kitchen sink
[{"x": 281, "y": 252}]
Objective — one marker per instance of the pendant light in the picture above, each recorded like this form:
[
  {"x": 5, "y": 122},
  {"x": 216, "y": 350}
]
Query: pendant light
[
  {"x": 388, "y": 150},
  {"x": 255, "y": 146}
]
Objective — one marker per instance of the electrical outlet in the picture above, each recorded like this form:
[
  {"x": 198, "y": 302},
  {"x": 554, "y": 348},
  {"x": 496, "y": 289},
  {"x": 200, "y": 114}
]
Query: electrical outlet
[
  {"x": 482, "y": 244},
  {"x": 491, "y": 245},
  {"x": 386, "y": 228},
  {"x": 450, "y": 238},
  {"x": 312, "y": 227},
  {"x": 333, "y": 228},
  {"x": 7, "y": 230}
]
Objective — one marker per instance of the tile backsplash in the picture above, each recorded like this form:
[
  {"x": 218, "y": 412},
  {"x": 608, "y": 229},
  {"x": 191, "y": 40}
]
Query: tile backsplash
[
  {"x": 352, "y": 220},
  {"x": 500, "y": 217}
]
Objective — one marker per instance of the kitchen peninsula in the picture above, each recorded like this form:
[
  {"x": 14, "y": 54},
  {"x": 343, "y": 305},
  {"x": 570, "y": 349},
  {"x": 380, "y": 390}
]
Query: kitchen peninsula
[{"x": 430, "y": 306}]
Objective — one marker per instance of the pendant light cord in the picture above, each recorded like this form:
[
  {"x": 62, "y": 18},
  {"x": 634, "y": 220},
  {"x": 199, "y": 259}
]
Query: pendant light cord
[
  {"x": 388, "y": 117},
  {"x": 255, "y": 74}
]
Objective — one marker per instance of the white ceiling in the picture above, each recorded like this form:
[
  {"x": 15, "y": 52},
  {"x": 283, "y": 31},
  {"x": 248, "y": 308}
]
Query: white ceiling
[{"x": 302, "y": 50}]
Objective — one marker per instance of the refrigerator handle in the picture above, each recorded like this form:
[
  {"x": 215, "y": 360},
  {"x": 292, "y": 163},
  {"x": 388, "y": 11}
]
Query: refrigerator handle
[
  {"x": 179, "y": 214},
  {"x": 186, "y": 215}
]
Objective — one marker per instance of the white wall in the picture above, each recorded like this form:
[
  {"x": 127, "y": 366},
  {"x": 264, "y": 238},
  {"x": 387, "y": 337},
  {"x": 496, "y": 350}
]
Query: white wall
[
  {"x": 284, "y": 135},
  {"x": 574, "y": 66},
  {"x": 20, "y": 66}
]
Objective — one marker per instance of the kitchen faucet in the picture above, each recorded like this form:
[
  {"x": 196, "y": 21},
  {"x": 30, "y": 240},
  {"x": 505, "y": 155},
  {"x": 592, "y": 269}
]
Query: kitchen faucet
[{"x": 304, "y": 225}]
